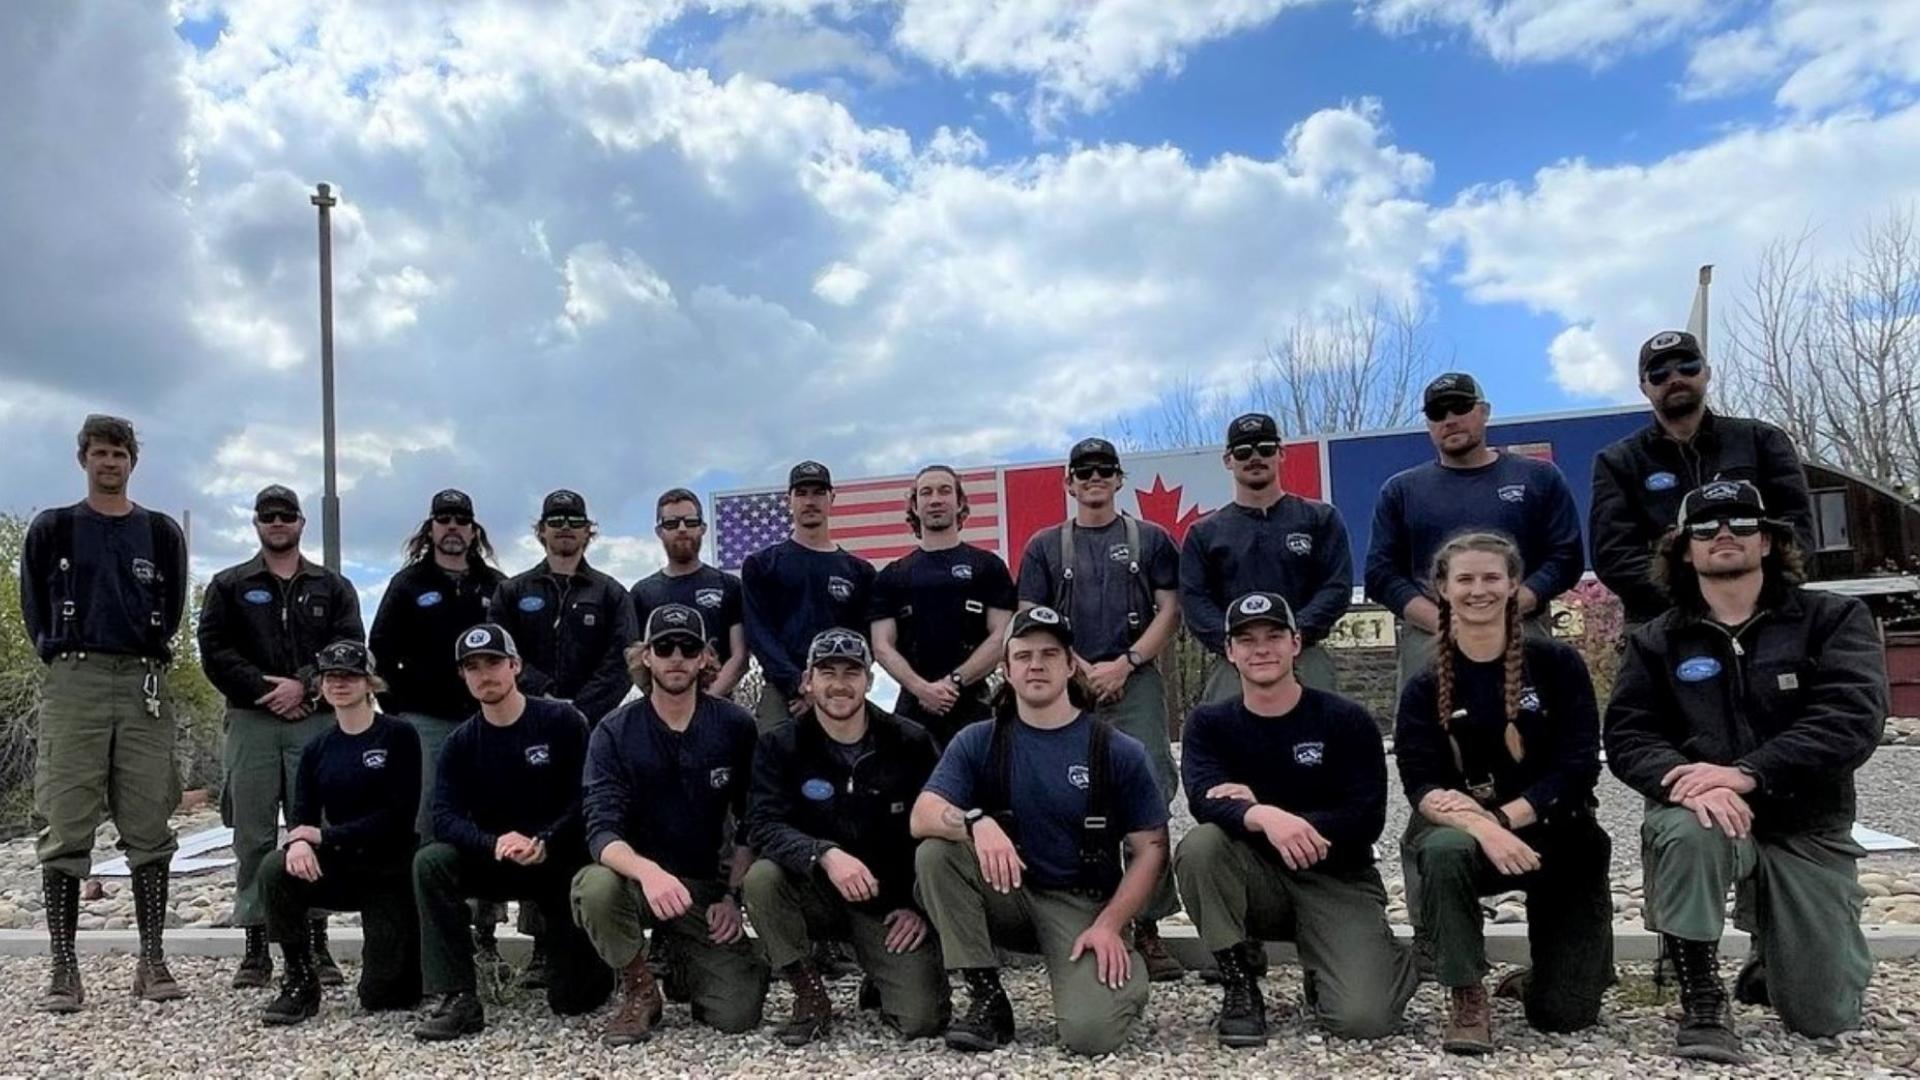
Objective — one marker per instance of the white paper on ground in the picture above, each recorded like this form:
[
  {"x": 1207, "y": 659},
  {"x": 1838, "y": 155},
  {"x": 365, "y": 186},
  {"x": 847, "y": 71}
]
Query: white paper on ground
[{"x": 1875, "y": 840}]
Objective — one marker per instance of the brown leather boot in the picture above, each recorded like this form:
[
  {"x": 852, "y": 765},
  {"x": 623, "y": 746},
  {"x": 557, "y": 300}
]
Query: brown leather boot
[
  {"x": 1469, "y": 1022},
  {"x": 812, "y": 1008},
  {"x": 638, "y": 1011},
  {"x": 1162, "y": 965}
]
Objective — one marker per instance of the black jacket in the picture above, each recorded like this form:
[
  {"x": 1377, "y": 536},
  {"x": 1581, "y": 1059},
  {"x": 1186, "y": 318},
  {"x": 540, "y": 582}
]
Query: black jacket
[
  {"x": 253, "y": 624},
  {"x": 1798, "y": 695},
  {"x": 805, "y": 800},
  {"x": 421, "y": 616},
  {"x": 572, "y": 633},
  {"x": 1638, "y": 483}
]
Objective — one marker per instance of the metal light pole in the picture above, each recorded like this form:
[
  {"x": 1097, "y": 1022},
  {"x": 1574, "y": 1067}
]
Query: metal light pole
[{"x": 330, "y": 501}]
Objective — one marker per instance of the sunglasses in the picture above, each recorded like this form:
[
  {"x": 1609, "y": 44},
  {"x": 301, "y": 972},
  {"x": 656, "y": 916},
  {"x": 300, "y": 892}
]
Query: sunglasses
[
  {"x": 1245, "y": 451},
  {"x": 1440, "y": 410},
  {"x": 1088, "y": 472},
  {"x": 562, "y": 521},
  {"x": 1707, "y": 530},
  {"x": 277, "y": 517},
  {"x": 689, "y": 522},
  {"x": 1686, "y": 369},
  {"x": 679, "y": 646},
  {"x": 453, "y": 519}
]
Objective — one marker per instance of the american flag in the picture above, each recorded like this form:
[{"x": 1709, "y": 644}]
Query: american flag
[{"x": 869, "y": 518}]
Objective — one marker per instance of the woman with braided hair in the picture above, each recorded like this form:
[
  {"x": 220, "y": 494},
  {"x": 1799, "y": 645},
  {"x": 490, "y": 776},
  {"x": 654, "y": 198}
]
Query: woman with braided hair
[{"x": 1498, "y": 750}]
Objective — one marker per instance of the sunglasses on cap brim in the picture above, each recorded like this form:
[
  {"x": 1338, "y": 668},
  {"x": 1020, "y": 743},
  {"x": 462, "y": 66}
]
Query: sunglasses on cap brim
[
  {"x": 1246, "y": 451},
  {"x": 1686, "y": 369},
  {"x": 1710, "y": 527},
  {"x": 1446, "y": 407}
]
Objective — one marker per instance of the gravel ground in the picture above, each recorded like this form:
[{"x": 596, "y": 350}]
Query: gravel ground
[{"x": 212, "y": 1034}]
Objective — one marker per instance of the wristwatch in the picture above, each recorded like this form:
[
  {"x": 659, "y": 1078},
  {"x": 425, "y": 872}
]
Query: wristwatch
[
  {"x": 958, "y": 682},
  {"x": 973, "y": 817},
  {"x": 1136, "y": 659},
  {"x": 1500, "y": 816}
]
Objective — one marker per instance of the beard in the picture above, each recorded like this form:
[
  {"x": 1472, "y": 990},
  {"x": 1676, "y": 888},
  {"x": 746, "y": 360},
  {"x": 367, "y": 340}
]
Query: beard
[
  {"x": 840, "y": 708},
  {"x": 452, "y": 544},
  {"x": 283, "y": 544},
  {"x": 683, "y": 550},
  {"x": 1681, "y": 404}
]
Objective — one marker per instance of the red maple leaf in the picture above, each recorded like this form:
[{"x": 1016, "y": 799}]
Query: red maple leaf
[{"x": 1161, "y": 505}]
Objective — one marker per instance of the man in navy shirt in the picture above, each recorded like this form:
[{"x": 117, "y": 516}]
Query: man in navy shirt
[
  {"x": 506, "y": 811},
  {"x": 940, "y": 610},
  {"x": 1266, "y": 540},
  {"x": 1472, "y": 487},
  {"x": 689, "y": 581},
  {"x": 797, "y": 588},
  {"x": 1022, "y": 823},
  {"x": 667, "y": 780}
]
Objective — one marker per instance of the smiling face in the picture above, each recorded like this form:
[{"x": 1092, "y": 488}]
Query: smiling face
[
  {"x": 343, "y": 689},
  {"x": 936, "y": 500},
  {"x": 1094, "y": 484},
  {"x": 1477, "y": 585},
  {"x": 839, "y": 687},
  {"x": 1038, "y": 667},
  {"x": 1725, "y": 555},
  {"x": 1263, "y": 653}
]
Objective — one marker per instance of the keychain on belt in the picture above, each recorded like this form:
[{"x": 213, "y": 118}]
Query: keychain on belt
[{"x": 150, "y": 689}]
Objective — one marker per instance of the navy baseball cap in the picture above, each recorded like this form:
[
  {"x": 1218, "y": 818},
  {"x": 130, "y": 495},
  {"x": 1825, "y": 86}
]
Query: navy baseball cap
[
  {"x": 346, "y": 657},
  {"x": 1260, "y": 607},
  {"x": 675, "y": 620},
  {"x": 1037, "y": 620},
  {"x": 487, "y": 639},
  {"x": 838, "y": 644}
]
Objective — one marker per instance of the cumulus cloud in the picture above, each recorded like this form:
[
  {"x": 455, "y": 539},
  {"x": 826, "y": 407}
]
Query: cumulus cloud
[
  {"x": 1824, "y": 54},
  {"x": 1529, "y": 31}
]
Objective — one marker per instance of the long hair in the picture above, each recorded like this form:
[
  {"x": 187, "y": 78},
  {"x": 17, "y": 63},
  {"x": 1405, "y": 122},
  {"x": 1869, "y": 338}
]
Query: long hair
[
  {"x": 479, "y": 552},
  {"x": 959, "y": 490},
  {"x": 1783, "y": 567},
  {"x": 1443, "y": 659}
]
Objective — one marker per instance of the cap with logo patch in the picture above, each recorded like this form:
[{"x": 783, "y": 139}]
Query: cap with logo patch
[
  {"x": 1452, "y": 386},
  {"x": 1259, "y": 607},
  {"x": 451, "y": 501},
  {"x": 838, "y": 644},
  {"x": 276, "y": 497},
  {"x": 1252, "y": 428},
  {"x": 487, "y": 639},
  {"x": 1669, "y": 344},
  {"x": 1037, "y": 620},
  {"x": 1722, "y": 498},
  {"x": 675, "y": 620},
  {"x": 809, "y": 472},
  {"x": 1092, "y": 451},
  {"x": 563, "y": 503},
  {"x": 345, "y": 657}
]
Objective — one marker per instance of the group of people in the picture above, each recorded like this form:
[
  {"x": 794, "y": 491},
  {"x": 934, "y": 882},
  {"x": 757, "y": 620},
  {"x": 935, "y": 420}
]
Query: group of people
[{"x": 643, "y": 835}]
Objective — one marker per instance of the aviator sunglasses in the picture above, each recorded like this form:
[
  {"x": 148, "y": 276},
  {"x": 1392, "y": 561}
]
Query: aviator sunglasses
[{"x": 1685, "y": 369}]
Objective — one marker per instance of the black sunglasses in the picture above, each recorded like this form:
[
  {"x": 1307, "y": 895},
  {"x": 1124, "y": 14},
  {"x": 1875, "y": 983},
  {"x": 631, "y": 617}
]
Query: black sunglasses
[
  {"x": 562, "y": 521},
  {"x": 1440, "y": 410},
  {"x": 453, "y": 519},
  {"x": 1686, "y": 369},
  {"x": 1245, "y": 451},
  {"x": 683, "y": 646},
  {"x": 688, "y": 522},
  {"x": 1088, "y": 472},
  {"x": 277, "y": 517},
  {"x": 1707, "y": 530}
]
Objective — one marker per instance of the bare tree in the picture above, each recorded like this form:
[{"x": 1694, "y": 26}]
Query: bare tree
[{"x": 1832, "y": 353}]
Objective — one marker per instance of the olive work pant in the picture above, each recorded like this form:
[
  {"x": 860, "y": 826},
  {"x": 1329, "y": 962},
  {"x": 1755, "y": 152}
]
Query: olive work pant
[
  {"x": 1357, "y": 977},
  {"x": 262, "y": 764},
  {"x": 1313, "y": 667},
  {"x": 433, "y": 732},
  {"x": 789, "y": 913},
  {"x": 1802, "y": 904},
  {"x": 972, "y": 917},
  {"x": 1569, "y": 915},
  {"x": 771, "y": 710},
  {"x": 100, "y": 755},
  {"x": 381, "y": 892},
  {"x": 1141, "y": 711},
  {"x": 726, "y": 983}
]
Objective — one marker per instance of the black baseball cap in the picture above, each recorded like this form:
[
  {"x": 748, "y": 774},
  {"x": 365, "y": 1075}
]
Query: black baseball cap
[
  {"x": 1260, "y": 607},
  {"x": 487, "y": 639},
  {"x": 451, "y": 501},
  {"x": 1452, "y": 386},
  {"x": 839, "y": 644},
  {"x": 563, "y": 503},
  {"x": 1254, "y": 427},
  {"x": 1040, "y": 619},
  {"x": 276, "y": 497},
  {"x": 1670, "y": 344},
  {"x": 675, "y": 620},
  {"x": 809, "y": 472},
  {"x": 1722, "y": 498},
  {"x": 349, "y": 657},
  {"x": 1093, "y": 451}
]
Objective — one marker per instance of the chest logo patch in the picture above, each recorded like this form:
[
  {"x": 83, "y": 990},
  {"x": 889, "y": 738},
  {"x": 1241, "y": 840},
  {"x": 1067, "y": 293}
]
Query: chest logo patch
[
  {"x": 963, "y": 572},
  {"x": 1079, "y": 777},
  {"x": 817, "y": 789},
  {"x": 374, "y": 759},
  {"x": 257, "y": 596},
  {"x": 1119, "y": 553},
  {"x": 1789, "y": 681},
  {"x": 718, "y": 778},
  {"x": 539, "y": 754},
  {"x": 1529, "y": 699},
  {"x": 428, "y": 599},
  {"x": 531, "y": 603},
  {"x": 1661, "y": 481},
  {"x": 1300, "y": 543},
  {"x": 840, "y": 589},
  {"x": 708, "y": 598},
  {"x": 143, "y": 571},
  {"x": 588, "y": 618},
  {"x": 318, "y": 611},
  {"x": 1697, "y": 669},
  {"x": 1513, "y": 493},
  {"x": 1309, "y": 753}
]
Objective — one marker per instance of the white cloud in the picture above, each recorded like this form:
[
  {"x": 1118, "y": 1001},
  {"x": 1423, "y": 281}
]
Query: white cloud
[
  {"x": 777, "y": 48},
  {"x": 1582, "y": 364},
  {"x": 840, "y": 284},
  {"x": 1529, "y": 31},
  {"x": 1825, "y": 54}
]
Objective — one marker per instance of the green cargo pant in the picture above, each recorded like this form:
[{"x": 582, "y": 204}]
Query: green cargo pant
[
  {"x": 790, "y": 912},
  {"x": 262, "y": 764},
  {"x": 726, "y": 983},
  {"x": 1313, "y": 667},
  {"x": 433, "y": 733},
  {"x": 771, "y": 710},
  {"x": 1806, "y": 899},
  {"x": 1569, "y": 915},
  {"x": 383, "y": 894},
  {"x": 1357, "y": 977},
  {"x": 1141, "y": 712},
  {"x": 101, "y": 755},
  {"x": 971, "y": 918}
]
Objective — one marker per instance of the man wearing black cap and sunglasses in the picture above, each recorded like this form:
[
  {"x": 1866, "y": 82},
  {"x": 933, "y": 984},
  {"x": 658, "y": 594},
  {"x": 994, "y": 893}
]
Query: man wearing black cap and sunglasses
[
  {"x": 688, "y": 580},
  {"x": 1470, "y": 487},
  {"x": 795, "y": 589},
  {"x": 1266, "y": 540},
  {"x": 1116, "y": 579},
  {"x": 261, "y": 625},
  {"x": 1638, "y": 481},
  {"x": 1742, "y": 713}
]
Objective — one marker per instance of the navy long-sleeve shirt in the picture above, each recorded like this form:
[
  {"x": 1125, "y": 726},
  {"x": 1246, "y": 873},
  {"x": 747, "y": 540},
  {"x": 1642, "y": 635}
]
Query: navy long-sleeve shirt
[
  {"x": 792, "y": 592},
  {"x": 1423, "y": 507},
  {"x": 669, "y": 793},
  {"x": 524, "y": 778},
  {"x": 362, "y": 791},
  {"x": 1297, "y": 548},
  {"x": 1322, "y": 761}
]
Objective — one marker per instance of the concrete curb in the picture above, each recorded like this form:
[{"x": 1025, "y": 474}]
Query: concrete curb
[{"x": 1506, "y": 942}]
